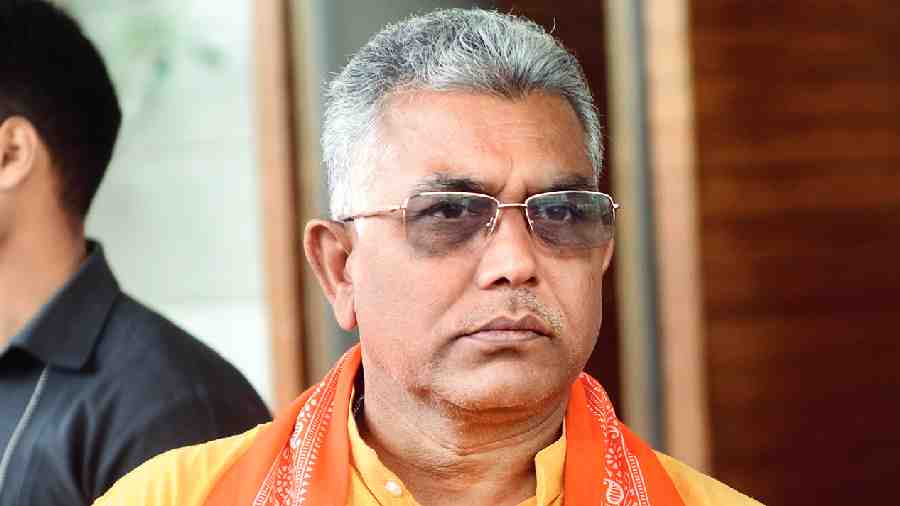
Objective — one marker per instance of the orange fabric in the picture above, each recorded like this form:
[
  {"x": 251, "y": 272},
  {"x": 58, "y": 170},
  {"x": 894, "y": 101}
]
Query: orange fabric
[
  {"x": 303, "y": 459},
  {"x": 586, "y": 453}
]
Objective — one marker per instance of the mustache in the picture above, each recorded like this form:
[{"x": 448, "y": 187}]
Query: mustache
[{"x": 515, "y": 301}]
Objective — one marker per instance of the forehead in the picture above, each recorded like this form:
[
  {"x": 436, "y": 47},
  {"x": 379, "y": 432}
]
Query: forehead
[{"x": 522, "y": 145}]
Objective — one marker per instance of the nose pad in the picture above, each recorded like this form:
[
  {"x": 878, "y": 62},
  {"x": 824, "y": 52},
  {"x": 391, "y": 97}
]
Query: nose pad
[
  {"x": 491, "y": 225},
  {"x": 495, "y": 221}
]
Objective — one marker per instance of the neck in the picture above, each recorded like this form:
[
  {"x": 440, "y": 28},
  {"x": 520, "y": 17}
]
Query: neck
[
  {"x": 34, "y": 265},
  {"x": 448, "y": 456}
]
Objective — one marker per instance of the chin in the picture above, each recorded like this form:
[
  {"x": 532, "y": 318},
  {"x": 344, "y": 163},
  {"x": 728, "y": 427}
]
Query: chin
[{"x": 478, "y": 393}]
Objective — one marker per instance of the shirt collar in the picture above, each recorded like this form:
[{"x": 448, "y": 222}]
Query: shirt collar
[
  {"x": 65, "y": 330},
  {"x": 549, "y": 466}
]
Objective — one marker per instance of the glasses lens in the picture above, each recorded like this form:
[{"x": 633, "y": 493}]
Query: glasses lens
[
  {"x": 575, "y": 219},
  {"x": 438, "y": 223}
]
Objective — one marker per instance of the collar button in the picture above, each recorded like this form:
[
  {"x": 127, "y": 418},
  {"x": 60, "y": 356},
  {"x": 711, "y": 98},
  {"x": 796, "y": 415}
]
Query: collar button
[{"x": 393, "y": 488}]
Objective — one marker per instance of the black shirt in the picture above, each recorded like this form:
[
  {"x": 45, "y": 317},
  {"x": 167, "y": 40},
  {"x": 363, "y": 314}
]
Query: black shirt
[{"x": 97, "y": 383}]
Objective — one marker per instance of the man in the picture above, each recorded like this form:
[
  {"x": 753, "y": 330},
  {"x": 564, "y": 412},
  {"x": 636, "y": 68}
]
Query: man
[
  {"x": 468, "y": 244},
  {"x": 91, "y": 382}
]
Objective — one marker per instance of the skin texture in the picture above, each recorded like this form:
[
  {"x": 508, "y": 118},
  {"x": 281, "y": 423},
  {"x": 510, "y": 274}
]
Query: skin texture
[
  {"x": 444, "y": 402},
  {"x": 41, "y": 244}
]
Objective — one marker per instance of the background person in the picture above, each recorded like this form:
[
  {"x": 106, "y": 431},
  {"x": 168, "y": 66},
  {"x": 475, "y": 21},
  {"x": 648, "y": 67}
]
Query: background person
[{"x": 92, "y": 383}]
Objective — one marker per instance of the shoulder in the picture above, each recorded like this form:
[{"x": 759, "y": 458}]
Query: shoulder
[
  {"x": 141, "y": 347},
  {"x": 181, "y": 477},
  {"x": 154, "y": 387},
  {"x": 134, "y": 329},
  {"x": 698, "y": 489}
]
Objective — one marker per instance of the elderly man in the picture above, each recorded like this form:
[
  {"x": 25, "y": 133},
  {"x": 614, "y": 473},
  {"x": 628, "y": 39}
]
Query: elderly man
[{"x": 468, "y": 245}]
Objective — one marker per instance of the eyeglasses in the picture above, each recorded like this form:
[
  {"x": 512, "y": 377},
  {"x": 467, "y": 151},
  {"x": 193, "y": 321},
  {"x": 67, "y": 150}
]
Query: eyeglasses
[{"x": 441, "y": 222}]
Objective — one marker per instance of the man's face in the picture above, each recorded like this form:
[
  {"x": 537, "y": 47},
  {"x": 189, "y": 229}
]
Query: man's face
[{"x": 422, "y": 315}]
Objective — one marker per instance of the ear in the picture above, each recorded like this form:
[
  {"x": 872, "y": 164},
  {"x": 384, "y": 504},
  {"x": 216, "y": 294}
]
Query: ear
[
  {"x": 19, "y": 149},
  {"x": 327, "y": 245},
  {"x": 608, "y": 254}
]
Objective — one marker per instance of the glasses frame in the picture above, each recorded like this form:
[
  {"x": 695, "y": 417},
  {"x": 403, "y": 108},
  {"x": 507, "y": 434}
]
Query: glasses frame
[{"x": 491, "y": 225}]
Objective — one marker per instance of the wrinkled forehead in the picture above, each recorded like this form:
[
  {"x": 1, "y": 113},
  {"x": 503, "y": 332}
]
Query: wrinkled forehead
[{"x": 440, "y": 141}]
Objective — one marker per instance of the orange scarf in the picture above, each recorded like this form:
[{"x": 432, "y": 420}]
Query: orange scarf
[{"x": 302, "y": 458}]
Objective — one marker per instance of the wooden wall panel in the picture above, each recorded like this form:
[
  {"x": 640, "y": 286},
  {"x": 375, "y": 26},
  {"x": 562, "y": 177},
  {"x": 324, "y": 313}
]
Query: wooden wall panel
[
  {"x": 276, "y": 146},
  {"x": 671, "y": 139},
  {"x": 798, "y": 133},
  {"x": 579, "y": 24}
]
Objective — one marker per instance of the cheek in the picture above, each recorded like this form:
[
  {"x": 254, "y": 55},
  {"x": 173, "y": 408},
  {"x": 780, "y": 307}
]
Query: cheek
[
  {"x": 390, "y": 287},
  {"x": 585, "y": 310},
  {"x": 581, "y": 296},
  {"x": 402, "y": 306}
]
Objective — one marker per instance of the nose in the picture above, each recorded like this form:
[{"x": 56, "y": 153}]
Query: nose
[{"x": 509, "y": 257}]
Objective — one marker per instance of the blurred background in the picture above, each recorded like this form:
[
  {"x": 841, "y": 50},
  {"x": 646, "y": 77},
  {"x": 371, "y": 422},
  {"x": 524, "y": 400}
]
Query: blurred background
[{"x": 750, "y": 318}]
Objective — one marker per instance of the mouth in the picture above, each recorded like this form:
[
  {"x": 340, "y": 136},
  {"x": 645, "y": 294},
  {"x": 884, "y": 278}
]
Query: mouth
[{"x": 505, "y": 330}]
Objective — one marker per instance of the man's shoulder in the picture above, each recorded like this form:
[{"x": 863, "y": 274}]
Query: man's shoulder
[
  {"x": 141, "y": 351},
  {"x": 138, "y": 335},
  {"x": 180, "y": 477},
  {"x": 135, "y": 325},
  {"x": 698, "y": 489}
]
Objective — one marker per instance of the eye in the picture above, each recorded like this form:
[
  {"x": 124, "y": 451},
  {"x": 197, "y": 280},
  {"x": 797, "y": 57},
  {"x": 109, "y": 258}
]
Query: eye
[
  {"x": 561, "y": 212},
  {"x": 446, "y": 210}
]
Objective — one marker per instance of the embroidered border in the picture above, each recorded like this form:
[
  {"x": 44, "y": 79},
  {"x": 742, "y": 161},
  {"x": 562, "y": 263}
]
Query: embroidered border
[
  {"x": 287, "y": 483},
  {"x": 625, "y": 484}
]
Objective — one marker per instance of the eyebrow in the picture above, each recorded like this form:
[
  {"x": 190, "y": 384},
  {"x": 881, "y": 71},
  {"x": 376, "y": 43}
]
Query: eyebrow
[
  {"x": 442, "y": 182},
  {"x": 572, "y": 183}
]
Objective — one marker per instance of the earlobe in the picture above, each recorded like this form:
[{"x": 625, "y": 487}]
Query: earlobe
[
  {"x": 19, "y": 144},
  {"x": 328, "y": 247},
  {"x": 607, "y": 256}
]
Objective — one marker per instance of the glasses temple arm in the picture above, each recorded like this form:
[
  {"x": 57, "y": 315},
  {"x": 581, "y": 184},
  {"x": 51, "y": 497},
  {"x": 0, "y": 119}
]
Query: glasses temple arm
[{"x": 368, "y": 214}]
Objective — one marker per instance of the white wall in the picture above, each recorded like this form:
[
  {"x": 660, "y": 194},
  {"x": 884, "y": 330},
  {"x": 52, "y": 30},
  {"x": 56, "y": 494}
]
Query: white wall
[{"x": 178, "y": 212}]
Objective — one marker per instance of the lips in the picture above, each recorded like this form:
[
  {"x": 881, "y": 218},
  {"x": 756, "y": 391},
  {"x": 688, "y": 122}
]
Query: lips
[{"x": 506, "y": 329}]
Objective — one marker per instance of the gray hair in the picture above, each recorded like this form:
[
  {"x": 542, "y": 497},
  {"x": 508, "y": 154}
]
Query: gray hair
[{"x": 471, "y": 50}]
